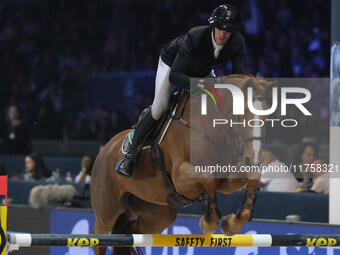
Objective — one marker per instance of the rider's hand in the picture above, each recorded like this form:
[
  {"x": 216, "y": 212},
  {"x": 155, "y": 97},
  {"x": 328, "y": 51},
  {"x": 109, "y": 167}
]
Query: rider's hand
[
  {"x": 200, "y": 83},
  {"x": 195, "y": 86}
]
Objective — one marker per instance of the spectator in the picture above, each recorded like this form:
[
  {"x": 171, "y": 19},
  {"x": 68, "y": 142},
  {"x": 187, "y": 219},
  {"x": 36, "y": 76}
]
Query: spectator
[
  {"x": 43, "y": 57},
  {"x": 35, "y": 168},
  {"x": 278, "y": 181},
  {"x": 16, "y": 139},
  {"x": 53, "y": 93},
  {"x": 305, "y": 155},
  {"x": 321, "y": 179},
  {"x": 84, "y": 175}
]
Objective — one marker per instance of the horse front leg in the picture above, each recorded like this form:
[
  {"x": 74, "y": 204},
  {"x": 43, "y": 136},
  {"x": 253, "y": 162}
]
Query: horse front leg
[
  {"x": 191, "y": 185},
  {"x": 232, "y": 224},
  {"x": 209, "y": 223}
]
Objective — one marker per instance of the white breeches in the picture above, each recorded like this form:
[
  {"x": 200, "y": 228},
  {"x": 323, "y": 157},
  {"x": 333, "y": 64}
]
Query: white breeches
[{"x": 163, "y": 90}]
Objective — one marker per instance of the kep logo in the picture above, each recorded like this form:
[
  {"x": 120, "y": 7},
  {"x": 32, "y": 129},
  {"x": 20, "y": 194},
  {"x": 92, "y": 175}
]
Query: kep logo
[{"x": 80, "y": 242}]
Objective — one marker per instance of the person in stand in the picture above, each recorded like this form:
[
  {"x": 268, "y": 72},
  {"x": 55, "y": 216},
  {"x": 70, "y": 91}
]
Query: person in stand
[
  {"x": 16, "y": 140},
  {"x": 35, "y": 169},
  {"x": 84, "y": 175},
  {"x": 276, "y": 181},
  {"x": 305, "y": 155},
  {"x": 190, "y": 56},
  {"x": 321, "y": 176}
]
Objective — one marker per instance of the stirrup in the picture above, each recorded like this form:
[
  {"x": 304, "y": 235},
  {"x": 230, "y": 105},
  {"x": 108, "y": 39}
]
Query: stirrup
[{"x": 126, "y": 165}]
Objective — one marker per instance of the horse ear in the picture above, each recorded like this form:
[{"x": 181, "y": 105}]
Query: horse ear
[{"x": 272, "y": 84}]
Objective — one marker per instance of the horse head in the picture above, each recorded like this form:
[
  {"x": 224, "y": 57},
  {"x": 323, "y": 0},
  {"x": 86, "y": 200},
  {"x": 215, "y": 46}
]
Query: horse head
[{"x": 247, "y": 125}]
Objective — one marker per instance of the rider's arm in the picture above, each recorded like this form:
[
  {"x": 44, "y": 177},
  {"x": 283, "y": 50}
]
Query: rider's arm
[
  {"x": 238, "y": 56},
  {"x": 181, "y": 63}
]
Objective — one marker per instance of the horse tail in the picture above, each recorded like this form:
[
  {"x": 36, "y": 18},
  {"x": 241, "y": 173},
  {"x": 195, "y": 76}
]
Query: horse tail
[{"x": 123, "y": 225}]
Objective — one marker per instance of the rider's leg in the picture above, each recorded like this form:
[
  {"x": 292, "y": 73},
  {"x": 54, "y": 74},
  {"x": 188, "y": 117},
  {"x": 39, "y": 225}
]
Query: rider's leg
[
  {"x": 162, "y": 95},
  {"x": 163, "y": 90}
]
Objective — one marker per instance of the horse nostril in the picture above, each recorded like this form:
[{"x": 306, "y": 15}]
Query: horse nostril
[{"x": 247, "y": 161}]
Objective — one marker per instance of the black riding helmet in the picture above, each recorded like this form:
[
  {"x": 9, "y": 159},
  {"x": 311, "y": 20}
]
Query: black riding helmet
[{"x": 226, "y": 17}]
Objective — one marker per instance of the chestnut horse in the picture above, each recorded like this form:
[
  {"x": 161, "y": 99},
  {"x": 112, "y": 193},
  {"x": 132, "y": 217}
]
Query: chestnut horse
[{"x": 139, "y": 204}]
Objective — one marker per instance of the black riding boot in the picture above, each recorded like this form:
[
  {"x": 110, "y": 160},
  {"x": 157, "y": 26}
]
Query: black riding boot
[{"x": 125, "y": 166}]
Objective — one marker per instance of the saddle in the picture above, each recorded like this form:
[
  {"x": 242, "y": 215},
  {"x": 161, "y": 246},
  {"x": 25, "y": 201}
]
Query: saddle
[
  {"x": 155, "y": 138},
  {"x": 158, "y": 132}
]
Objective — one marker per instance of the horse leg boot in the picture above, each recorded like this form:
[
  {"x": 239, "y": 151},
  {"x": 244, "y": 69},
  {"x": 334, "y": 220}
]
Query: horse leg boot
[
  {"x": 209, "y": 223},
  {"x": 145, "y": 125},
  {"x": 232, "y": 224}
]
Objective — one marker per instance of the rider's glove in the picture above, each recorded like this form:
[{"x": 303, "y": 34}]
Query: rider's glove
[{"x": 194, "y": 86}]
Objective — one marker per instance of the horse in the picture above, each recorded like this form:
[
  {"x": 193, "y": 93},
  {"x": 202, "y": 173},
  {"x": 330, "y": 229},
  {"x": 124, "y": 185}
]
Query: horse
[{"x": 140, "y": 204}]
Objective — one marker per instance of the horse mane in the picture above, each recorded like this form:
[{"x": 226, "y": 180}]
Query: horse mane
[
  {"x": 257, "y": 82},
  {"x": 257, "y": 76}
]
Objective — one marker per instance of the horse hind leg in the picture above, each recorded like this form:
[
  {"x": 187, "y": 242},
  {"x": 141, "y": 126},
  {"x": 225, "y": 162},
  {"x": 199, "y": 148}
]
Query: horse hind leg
[
  {"x": 124, "y": 225},
  {"x": 151, "y": 218},
  {"x": 106, "y": 222},
  {"x": 107, "y": 210},
  {"x": 102, "y": 228},
  {"x": 141, "y": 217}
]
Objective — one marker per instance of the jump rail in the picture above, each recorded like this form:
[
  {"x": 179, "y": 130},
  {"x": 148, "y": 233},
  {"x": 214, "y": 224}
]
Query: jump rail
[
  {"x": 140, "y": 240},
  {"x": 15, "y": 241}
]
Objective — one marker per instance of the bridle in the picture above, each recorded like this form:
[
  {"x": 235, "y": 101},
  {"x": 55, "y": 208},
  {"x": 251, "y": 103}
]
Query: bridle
[{"x": 228, "y": 141}]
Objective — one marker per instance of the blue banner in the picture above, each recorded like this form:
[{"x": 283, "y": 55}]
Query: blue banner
[{"x": 77, "y": 222}]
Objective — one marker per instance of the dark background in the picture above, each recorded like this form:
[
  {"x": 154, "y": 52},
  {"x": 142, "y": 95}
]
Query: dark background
[{"x": 84, "y": 70}]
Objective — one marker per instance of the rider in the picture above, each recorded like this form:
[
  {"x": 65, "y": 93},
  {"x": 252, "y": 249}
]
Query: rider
[{"x": 190, "y": 55}]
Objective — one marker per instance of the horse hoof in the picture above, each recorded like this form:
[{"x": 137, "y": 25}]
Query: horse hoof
[
  {"x": 231, "y": 225},
  {"x": 208, "y": 228}
]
